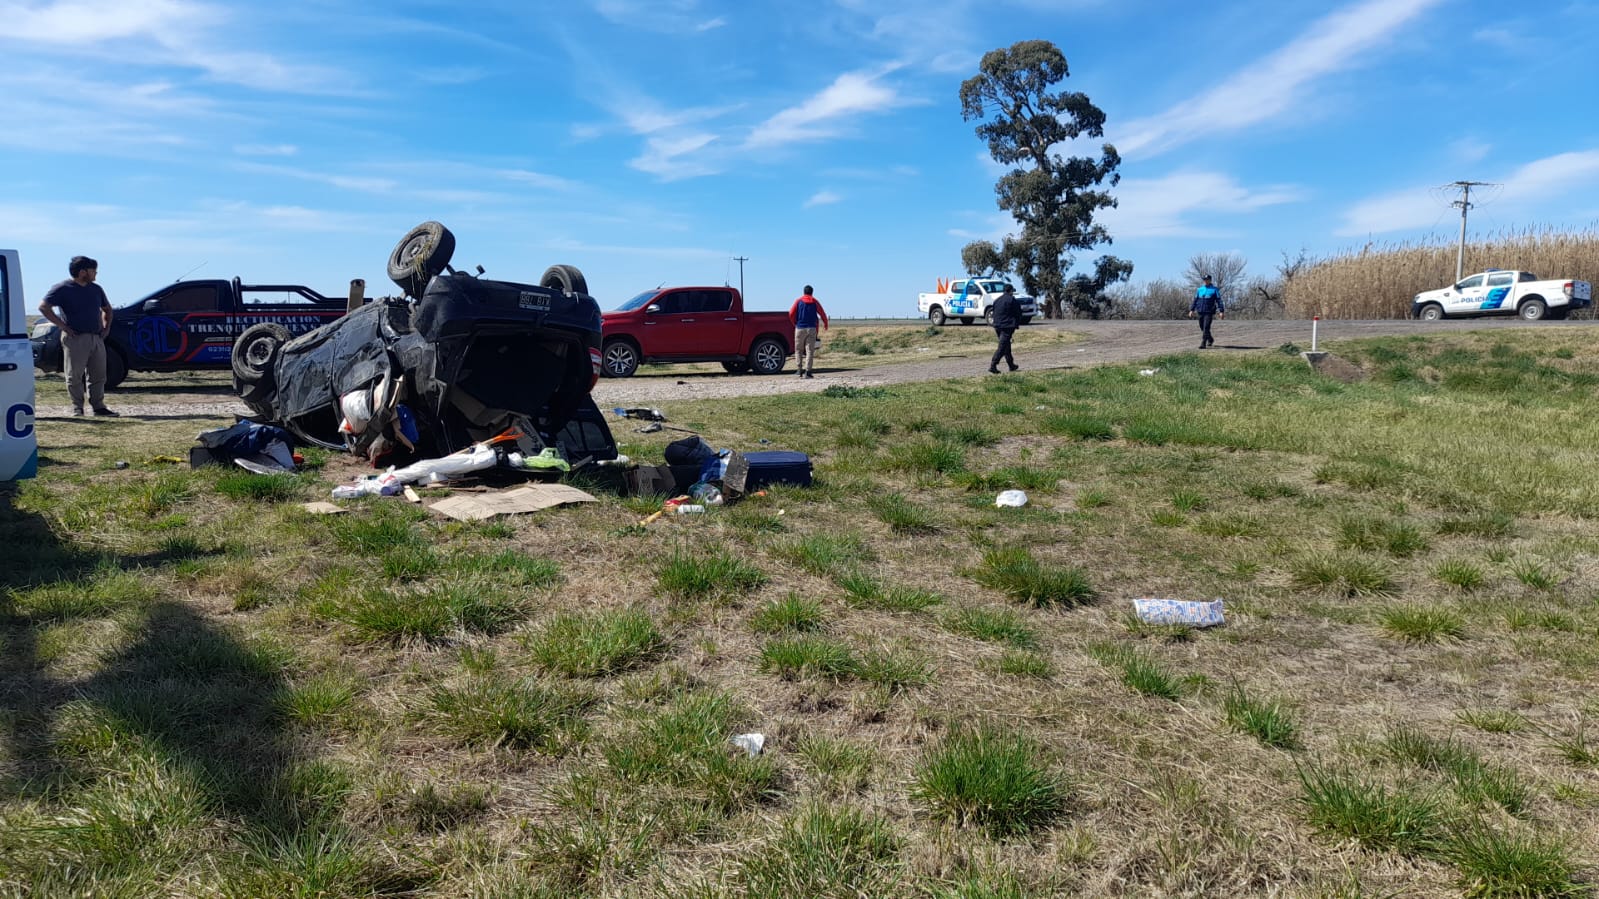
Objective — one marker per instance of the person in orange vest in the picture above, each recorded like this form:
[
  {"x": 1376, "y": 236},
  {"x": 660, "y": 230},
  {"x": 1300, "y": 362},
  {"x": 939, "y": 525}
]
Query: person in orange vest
[{"x": 804, "y": 315}]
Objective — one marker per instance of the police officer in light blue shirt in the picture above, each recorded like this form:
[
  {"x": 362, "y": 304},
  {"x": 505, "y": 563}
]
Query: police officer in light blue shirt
[{"x": 1207, "y": 305}]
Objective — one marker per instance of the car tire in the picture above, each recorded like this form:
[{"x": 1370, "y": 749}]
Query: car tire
[
  {"x": 116, "y": 368},
  {"x": 565, "y": 278},
  {"x": 1432, "y": 312},
  {"x": 767, "y": 356},
  {"x": 255, "y": 354},
  {"x": 967, "y": 319},
  {"x": 258, "y": 397},
  {"x": 738, "y": 367},
  {"x": 618, "y": 359},
  {"x": 420, "y": 255},
  {"x": 1026, "y": 319},
  {"x": 936, "y": 316},
  {"x": 1532, "y": 310},
  {"x": 988, "y": 316}
]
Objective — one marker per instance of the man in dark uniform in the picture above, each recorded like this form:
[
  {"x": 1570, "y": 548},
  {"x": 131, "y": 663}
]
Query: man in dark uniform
[
  {"x": 84, "y": 321},
  {"x": 1007, "y": 317},
  {"x": 1207, "y": 305}
]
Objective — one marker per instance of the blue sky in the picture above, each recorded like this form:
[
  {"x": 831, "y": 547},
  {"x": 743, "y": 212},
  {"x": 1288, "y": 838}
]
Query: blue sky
[{"x": 651, "y": 142}]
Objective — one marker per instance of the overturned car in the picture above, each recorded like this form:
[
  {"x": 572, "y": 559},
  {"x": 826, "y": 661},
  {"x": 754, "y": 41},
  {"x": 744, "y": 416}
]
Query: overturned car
[{"x": 460, "y": 360}]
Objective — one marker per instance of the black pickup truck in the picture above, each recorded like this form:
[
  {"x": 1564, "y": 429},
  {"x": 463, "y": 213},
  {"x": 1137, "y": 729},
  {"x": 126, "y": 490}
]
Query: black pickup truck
[{"x": 190, "y": 325}]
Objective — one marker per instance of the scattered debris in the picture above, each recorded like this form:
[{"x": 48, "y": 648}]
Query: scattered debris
[
  {"x": 642, "y": 414},
  {"x": 121, "y": 465},
  {"x": 323, "y": 508},
  {"x": 1011, "y": 499},
  {"x": 1179, "y": 611},
  {"x": 1146, "y": 372},
  {"x": 530, "y": 498},
  {"x": 752, "y": 744}
]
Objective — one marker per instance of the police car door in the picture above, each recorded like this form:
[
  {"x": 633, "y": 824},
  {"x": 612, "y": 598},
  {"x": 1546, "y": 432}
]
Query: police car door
[
  {"x": 19, "y": 452},
  {"x": 1467, "y": 295}
]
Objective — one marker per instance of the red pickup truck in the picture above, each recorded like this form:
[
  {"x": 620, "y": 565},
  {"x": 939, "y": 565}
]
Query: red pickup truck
[{"x": 694, "y": 324}]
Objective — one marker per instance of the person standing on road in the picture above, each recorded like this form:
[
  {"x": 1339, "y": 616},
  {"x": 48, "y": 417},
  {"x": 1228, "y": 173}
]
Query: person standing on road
[
  {"x": 804, "y": 315},
  {"x": 85, "y": 320},
  {"x": 1007, "y": 318},
  {"x": 1207, "y": 305}
]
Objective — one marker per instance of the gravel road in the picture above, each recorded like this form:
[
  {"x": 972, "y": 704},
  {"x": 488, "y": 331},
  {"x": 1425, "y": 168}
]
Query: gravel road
[{"x": 1105, "y": 342}]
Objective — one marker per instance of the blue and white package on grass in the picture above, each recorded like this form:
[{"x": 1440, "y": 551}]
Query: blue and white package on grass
[{"x": 1179, "y": 611}]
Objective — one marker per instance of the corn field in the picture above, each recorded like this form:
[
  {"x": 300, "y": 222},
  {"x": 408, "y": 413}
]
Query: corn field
[{"x": 1379, "y": 280}]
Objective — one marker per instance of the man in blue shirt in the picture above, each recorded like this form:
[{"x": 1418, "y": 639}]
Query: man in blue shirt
[
  {"x": 1207, "y": 305},
  {"x": 805, "y": 315},
  {"x": 85, "y": 320}
]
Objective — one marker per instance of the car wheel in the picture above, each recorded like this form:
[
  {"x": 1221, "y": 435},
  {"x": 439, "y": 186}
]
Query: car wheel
[
  {"x": 619, "y": 359},
  {"x": 1532, "y": 310},
  {"x": 258, "y": 396},
  {"x": 565, "y": 278},
  {"x": 256, "y": 352},
  {"x": 936, "y": 316},
  {"x": 116, "y": 368},
  {"x": 420, "y": 255},
  {"x": 967, "y": 319},
  {"x": 1026, "y": 319},
  {"x": 737, "y": 368},
  {"x": 988, "y": 316},
  {"x": 1432, "y": 312},
  {"x": 767, "y": 356}
]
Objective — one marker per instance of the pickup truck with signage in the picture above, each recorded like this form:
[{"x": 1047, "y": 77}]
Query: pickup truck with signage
[
  {"x": 969, "y": 299},
  {"x": 191, "y": 325},
  {"x": 1504, "y": 292},
  {"x": 694, "y": 324},
  {"x": 19, "y": 449}
]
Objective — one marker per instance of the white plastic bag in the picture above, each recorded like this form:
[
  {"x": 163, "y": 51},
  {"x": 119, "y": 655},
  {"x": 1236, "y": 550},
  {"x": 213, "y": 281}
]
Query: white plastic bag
[
  {"x": 474, "y": 458},
  {"x": 1013, "y": 499},
  {"x": 750, "y": 743},
  {"x": 1179, "y": 611}
]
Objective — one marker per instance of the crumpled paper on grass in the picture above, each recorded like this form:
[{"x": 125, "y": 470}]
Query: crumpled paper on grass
[{"x": 1179, "y": 611}]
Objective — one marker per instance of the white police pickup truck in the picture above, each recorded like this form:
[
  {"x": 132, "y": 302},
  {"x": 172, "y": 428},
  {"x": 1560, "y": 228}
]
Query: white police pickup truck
[
  {"x": 969, "y": 299},
  {"x": 19, "y": 451},
  {"x": 1503, "y": 292}
]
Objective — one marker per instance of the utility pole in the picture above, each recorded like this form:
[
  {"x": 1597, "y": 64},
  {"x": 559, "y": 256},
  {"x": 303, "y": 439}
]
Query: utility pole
[
  {"x": 741, "y": 260},
  {"x": 1465, "y": 204}
]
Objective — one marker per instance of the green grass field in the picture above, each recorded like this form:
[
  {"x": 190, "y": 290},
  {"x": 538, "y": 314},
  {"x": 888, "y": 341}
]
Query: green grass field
[{"x": 206, "y": 691}]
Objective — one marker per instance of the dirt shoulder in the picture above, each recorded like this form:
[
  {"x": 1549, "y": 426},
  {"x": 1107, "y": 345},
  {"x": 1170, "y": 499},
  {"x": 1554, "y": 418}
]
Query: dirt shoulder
[{"x": 1100, "y": 342}]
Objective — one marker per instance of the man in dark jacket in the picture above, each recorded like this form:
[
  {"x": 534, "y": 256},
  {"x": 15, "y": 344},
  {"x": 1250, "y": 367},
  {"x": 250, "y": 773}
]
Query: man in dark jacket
[
  {"x": 1007, "y": 317},
  {"x": 1207, "y": 304}
]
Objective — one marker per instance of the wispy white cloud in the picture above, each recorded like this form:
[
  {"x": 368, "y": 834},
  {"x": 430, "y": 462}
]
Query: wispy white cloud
[
  {"x": 1531, "y": 189},
  {"x": 823, "y": 198},
  {"x": 1508, "y": 38},
  {"x": 1274, "y": 86},
  {"x": 1187, "y": 203},
  {"x": 667, "y": 16},
  {"x": 178, "y": 33},
  {"x": 821, "y": 116},
  {"x": 266, "y": 149},
  {"x": 674, "y": 158},
  {"x": 1469, "y": 150}
]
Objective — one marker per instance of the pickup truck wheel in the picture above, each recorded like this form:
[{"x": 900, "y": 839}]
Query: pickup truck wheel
[
  {"x": 420, "y": 255},
  {"x": 767, "y": 356},
  {"x": 116, "y": 368},
  {"x": 737, "y": 368},
  {"x": 1026, "y": 319},
  {"x": 967, "y": 319},
  {"x": 936, "y": 316},
  {"x": 1432, "y": 312},
  {"x": 988, "y": 316},
  {"x": 255, "y": 355},
  {"x": 565, "y": 278},
  {"x": 618, "y": 359},
  {"x": 1532, "y": 310}
]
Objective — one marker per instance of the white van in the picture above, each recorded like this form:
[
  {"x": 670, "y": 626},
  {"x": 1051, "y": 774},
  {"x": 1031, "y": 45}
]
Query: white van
[{"x": 19, "y": 450}]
